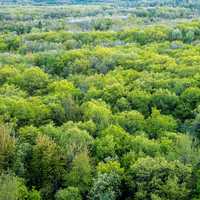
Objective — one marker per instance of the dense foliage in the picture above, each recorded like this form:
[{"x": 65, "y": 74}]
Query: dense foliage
[{"x": 100, "y": 102}]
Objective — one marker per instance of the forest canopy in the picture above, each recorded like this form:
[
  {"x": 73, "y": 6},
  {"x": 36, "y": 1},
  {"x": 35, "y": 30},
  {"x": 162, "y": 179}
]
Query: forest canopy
[{"x": 100, "y": 100}]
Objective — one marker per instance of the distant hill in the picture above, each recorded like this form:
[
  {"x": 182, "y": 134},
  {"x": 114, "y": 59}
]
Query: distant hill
[{"x": 134, "y": 2}]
